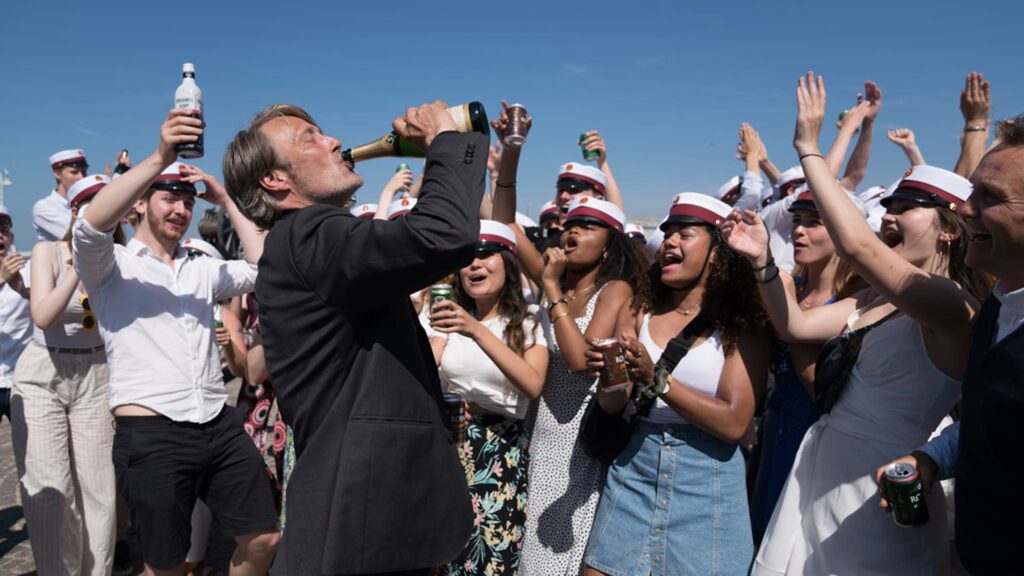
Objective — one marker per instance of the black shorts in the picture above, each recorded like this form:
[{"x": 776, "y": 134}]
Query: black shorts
[{"x": 163, "y": 466}]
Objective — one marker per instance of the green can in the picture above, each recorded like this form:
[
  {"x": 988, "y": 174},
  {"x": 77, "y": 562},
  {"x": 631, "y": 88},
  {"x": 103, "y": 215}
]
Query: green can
[
  {"x": 402, "y": 166},
  {"x": 589, "y": 155},
  {"x": 906, "y": 495},
  {"x": 217, "y": 324},
  {"x": 439, "y": 293}
]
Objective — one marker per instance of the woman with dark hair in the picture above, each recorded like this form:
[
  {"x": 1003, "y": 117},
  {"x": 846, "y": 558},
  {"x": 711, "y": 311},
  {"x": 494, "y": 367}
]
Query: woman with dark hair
[
  {"x": 490, "y": 351},
  {"x": 906, "y": 340},
  {"x": 594, "y": 274},
  {"x": 675, "y": 499}
]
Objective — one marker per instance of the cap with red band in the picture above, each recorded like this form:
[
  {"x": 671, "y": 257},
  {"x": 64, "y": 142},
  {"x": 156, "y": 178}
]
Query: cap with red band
[
  {"x": 85, "y": 189},
  {"x": 367, "y": 211},
  {"x": 400, "y": 207},
  {"x": 792, "y": 177},
  {"x": 730, "y": 191},
  {"x": 696, "y": 208},
  {"x": 203, "y": 247},
  {"x": 549, "y": 210},
  {"x": 587, "y": 209},
  {"x": 495, "y": 236},
  {"x": 74, "y": 157},
  {"x": 172, "y": 179},
  {"x": 580, "y": 176},
  {"x": 635, "y": 231},
  {"x": 933, "y": 186}
]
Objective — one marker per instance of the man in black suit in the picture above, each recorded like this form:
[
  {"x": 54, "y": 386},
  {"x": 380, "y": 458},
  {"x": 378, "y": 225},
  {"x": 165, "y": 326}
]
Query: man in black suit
[{"x": 377, "y": 486}]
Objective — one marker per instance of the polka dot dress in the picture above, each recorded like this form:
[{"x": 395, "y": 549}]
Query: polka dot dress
[{"x": 565, "y": 483}]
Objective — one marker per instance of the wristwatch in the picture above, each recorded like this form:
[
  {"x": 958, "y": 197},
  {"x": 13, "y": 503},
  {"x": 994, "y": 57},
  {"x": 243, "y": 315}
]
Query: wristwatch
[{"x": 661, "y": 376}]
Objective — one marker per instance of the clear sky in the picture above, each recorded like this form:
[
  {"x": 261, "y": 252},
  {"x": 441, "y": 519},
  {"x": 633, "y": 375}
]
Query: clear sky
[{"x": 666, "y": 83}]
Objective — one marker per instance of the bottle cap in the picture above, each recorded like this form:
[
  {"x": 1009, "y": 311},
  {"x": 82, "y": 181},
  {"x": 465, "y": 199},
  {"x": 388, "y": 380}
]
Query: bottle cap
[{"x": 188, "y": 67}]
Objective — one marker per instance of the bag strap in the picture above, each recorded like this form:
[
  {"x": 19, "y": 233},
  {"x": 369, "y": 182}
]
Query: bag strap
[
  {"x": 869, "y": 327},
  {"x": 679, "y": 346}
]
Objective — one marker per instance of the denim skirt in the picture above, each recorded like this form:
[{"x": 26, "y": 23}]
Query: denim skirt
[{"x": 675, "y": 502}]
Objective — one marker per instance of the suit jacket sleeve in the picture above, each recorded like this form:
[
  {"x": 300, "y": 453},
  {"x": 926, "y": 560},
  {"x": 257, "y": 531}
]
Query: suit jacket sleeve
[{"x": 361, "y": 265}]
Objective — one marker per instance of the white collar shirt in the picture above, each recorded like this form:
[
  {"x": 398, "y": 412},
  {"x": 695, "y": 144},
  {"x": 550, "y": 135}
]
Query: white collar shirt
[
  {"x": 1011, "y": 311},
  {"x": 51, "y": 217},
  {"x": 15, "y": 328},
  {"x": 157, "y": 322}
]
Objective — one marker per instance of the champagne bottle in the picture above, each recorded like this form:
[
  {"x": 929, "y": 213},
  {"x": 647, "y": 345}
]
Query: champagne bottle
[
  {"x": 188, "y": 95},
  {"x": 469, "y": 117}
]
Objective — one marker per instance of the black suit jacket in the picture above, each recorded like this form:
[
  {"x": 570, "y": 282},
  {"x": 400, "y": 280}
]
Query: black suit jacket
[{"x": 376, "y": 485}]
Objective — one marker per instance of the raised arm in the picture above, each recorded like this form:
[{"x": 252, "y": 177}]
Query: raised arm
[
  {"x": 934, "y": 301},
  {"x": 904, "y": 138},
  {"x": 857, "y": 166},
  {"x": 612, "y": 193},
  {"x": 975, "y": 103},
  {"x": 215, "y": 193},
  {"x": 848, "y": 126},
  {"x": 401, "y": 180},
  {"x": 113, "y": 201}
]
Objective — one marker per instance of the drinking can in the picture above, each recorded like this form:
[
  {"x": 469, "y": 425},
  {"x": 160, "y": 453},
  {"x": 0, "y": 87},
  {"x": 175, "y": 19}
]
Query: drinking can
[
  {"x": 905, "y": 493},
  {"x": 614, "y": 375}
]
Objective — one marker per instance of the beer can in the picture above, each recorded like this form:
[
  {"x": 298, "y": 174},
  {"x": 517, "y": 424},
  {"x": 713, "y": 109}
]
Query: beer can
[
  {"x": 588, "y": 154},
  {"x": 402, "y": 166},
  {"x": 456, "y": 417},
  {"x": 439, "y": 293},
  {"x": 906, "y": 495},
  {"x": 614, "y": 376},
  {"x": 515, "y": 133},
  {"x": 217, "y": 324}
]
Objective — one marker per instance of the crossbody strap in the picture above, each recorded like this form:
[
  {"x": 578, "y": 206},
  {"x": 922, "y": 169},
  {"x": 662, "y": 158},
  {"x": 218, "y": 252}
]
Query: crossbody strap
[{"x": 678, "y": 347}]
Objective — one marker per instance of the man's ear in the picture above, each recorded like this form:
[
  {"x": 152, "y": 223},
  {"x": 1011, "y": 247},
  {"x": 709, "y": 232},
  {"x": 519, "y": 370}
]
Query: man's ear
[{"x": 276, "y": 181}]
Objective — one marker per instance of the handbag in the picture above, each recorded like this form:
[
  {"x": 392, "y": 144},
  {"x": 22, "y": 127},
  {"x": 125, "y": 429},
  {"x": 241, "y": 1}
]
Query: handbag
[
  {"x": 604, "y": 436},
  {"x": 835, "y": 362}
]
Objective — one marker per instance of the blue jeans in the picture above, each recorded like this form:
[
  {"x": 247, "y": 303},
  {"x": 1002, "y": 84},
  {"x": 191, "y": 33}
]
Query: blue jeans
[{"x": 675, "y": 502}]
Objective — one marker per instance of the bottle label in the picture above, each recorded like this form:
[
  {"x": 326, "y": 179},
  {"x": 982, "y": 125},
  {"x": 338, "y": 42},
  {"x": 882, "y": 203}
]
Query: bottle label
[
  {"x": 189, "y": 102},
  {"x": 460, "y": 114}
]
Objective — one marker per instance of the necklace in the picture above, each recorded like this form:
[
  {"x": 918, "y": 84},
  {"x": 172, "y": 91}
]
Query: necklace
[
  {"x": 576, "y": 294},
  {"x": 686, "y": 311}
]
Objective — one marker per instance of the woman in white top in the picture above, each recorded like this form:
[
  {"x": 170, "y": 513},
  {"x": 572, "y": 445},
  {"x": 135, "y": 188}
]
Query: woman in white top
[
  {"x": 675, "y": 500},
  {"x": 906, "y": 376},
  {"x": 62, "y": 430},
  {"x": 491, "y": 352}
]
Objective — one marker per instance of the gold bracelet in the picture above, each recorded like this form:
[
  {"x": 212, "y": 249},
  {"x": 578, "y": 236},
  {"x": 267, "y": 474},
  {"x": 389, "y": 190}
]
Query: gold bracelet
[{"x": 559, "y": 317}]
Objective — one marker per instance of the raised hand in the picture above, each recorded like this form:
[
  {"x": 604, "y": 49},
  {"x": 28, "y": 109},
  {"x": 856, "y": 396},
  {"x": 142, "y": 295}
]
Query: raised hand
[
  {"x": 873, "y": 96},
  {"x": 420, "y": 125},
  {"x": 902, "y": 137},
  {"x": 750, "y": 149},
  {"x": 747, "y": 235},
  {"x": 213, "y": 191},
  {"x": 178, "y": 128},
  {"x": 810, "y": 101},
  {"x": 400, "y": 181},
  {"x": 855, "y": 116},
  {"x": 447, "y": 317},
  {"x": 975, "y": 101},
  {"x": 594, "y": 141},
  {"x": 494, "y": 157},
  {"x": 10, "y": 270}
]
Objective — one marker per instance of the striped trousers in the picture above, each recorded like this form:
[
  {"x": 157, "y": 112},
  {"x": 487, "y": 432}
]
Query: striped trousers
[{"x": 63, "y": 435}]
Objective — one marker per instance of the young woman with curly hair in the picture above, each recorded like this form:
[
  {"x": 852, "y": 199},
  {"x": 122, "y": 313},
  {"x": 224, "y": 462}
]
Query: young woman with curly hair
[
  {"x": 675, "y": 500},
  {"x": 491, "y": 351}
]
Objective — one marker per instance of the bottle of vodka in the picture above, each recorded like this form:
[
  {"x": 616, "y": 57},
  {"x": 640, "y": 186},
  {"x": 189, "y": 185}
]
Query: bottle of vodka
[{"x": 188, "y": 95}]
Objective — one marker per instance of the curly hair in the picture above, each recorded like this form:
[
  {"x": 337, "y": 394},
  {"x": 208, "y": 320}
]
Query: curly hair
[
  {"x": 625, "y": 260},
  {"x": 512, "y": 305},
  {"x": 730, "y": 294}
]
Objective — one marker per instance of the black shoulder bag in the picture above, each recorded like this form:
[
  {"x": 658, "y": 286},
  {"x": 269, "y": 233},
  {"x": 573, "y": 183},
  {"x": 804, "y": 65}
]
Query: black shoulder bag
[
  {"x": 605, "y": 435},
  {"x": 836, "y": 361}
]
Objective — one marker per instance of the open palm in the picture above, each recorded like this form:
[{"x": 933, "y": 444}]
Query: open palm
[{"x": 748, "y": 238}]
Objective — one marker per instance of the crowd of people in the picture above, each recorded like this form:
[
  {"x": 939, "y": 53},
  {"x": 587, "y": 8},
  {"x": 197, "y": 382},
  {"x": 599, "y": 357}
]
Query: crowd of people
[{"x": 784, "y": 341}]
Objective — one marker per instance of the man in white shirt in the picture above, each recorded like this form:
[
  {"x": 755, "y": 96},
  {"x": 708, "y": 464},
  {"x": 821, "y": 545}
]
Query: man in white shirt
[
  {"x": 15, "y": 317},
  {"x": 175, "y": 440},
  {"x": 50, "y": 215}
]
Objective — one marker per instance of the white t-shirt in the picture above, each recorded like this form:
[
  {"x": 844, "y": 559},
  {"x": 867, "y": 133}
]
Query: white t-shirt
[
  {"x": 15, "y": 327},
  {"x": 469, "y": 372},
  {"x": 700, "y": 370}
]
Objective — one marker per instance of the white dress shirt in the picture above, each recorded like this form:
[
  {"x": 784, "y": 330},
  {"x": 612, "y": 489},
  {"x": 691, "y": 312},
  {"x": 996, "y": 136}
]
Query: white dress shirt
[
  {"x": 15, "y": 328},
  {"x": 779, "y": 221},
  {"x": 51, "y": 217},
  {"x": 943, "y": 449},
  {"x": 751, "y": 188},
  {"x": 157, "y": 322}
]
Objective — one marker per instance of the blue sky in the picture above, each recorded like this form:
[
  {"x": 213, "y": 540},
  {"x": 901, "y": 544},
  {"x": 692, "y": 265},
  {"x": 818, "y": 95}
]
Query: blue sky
[{"x": 667, "y": 83}]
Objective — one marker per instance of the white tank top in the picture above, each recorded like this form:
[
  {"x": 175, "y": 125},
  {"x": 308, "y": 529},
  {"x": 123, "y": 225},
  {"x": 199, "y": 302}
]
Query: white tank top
[
  {"x": 699, "y": 370},
  {"x": 75, "y": 328}
]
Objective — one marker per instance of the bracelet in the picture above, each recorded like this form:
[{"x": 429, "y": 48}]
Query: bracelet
[
  {"x": 978, "y": 128},
  {"x": 771, "y": 262},
  {"x": 769, "y": 278},
  {"x": 559, "y": 317},
  {"x": 806, "y": 155},
  {"x": 505, "y": 185},
  {"x": 551, "y": 307}
]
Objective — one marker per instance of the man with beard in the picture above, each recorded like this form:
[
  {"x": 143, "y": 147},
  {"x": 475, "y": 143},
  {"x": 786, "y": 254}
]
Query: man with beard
[
  {"x": 377, "y": 486},
  {"x": 175, "y": 439}
]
